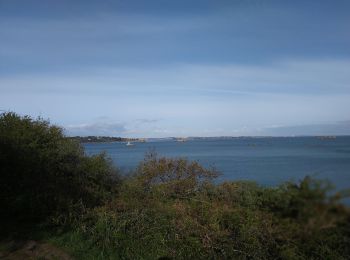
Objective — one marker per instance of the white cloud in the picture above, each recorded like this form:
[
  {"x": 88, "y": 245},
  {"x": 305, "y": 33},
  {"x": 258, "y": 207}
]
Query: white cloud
[
  {"x": 100, "y": 129},
  {"x": 208, "y": 100},
  {"x": 290, "y": 77},
  {"x": 333, "y": 128}
]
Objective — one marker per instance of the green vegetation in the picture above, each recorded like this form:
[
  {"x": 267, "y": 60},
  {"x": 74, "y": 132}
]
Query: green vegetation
[
  {"x": 43, "y": 173},
  {"x": 169, "y": 208}
]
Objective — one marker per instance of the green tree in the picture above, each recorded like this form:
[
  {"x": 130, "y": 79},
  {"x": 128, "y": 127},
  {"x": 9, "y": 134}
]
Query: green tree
[{"x": 44, "y": 173}]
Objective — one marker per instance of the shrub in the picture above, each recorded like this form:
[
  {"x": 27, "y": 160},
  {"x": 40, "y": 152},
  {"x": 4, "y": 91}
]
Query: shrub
[
  {"x": 43, "y": 172},
  {"x": 173, "y": 176},
  {"x": 170, "y": 208}
]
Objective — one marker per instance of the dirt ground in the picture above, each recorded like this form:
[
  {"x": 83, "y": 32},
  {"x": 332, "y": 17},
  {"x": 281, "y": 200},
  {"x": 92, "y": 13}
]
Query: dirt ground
[{"x": 20, "y": 250}]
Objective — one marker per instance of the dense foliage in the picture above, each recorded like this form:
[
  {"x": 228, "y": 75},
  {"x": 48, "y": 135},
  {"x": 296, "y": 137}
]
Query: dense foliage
[
  {"x": 43, "y": 173},
  {"x": 169, "y": 208}
]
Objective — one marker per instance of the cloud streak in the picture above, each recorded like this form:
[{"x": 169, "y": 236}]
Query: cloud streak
[
  {"x": 98, "y": 128},
  {"x": 336, "y": 128},
  {"x": 225, "y": 32},
  {"x": 289, "y": 77},
  {"x": 207, "y": 99}
]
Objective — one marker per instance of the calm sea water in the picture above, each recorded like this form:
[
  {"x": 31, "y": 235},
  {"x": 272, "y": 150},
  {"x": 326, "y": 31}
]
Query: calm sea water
[{"x": 269, "y": 161}]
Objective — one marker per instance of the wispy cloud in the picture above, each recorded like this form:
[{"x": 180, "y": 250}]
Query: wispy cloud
[
  {"x": 147, "y": 121},
  {"x": 100, "y": 129},
  {"x": 290, "y": 77},
  {"x": 104, "y": 126},
  {"x": 223, "y": 32},
  {"x": 335, "y": 128},
  {"x": 155, "y": 101}
]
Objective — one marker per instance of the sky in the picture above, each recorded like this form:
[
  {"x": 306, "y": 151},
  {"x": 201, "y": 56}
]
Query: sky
[{"x": 160, "y": 68}]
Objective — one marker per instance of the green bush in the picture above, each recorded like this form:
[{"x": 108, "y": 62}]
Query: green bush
[
  {"x": 172, "y": 176},
  {"x": 171, "y": 208},
  {"x": 44, "y": 173}
]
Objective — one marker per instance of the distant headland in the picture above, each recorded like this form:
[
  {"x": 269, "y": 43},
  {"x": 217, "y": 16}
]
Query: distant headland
[{"x": 104, "y": 139}]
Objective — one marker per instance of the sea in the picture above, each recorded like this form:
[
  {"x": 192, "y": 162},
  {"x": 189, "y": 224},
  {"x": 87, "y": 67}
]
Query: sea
[{"x": 269, "y": 161}]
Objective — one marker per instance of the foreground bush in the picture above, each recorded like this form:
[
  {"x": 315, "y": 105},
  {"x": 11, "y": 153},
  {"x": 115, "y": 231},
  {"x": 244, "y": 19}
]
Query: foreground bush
[
  {"x": 43, "y": 173},
  {"x": 170, "y": 208}
]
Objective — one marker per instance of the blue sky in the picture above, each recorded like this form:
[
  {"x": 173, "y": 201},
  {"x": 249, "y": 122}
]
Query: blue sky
[{"x": 178, "y": 68}]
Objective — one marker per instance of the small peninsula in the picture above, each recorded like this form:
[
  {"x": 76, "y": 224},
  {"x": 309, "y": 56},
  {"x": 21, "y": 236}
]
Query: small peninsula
[{"x": 104, "y": 139}]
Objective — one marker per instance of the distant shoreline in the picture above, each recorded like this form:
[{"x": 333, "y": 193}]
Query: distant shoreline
[
  {"x": 104, "y": 139},
  {"x": 109, "y": 139}
]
